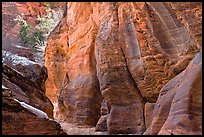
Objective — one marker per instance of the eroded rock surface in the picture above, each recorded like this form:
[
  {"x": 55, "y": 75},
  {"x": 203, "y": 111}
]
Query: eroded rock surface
[
  {"x": 122, "y": 53},
  {"x": 25, "y": 109},
  {"x": 19, "y": 120},
  {"x": 56, "y": 60},
  {"x": 149, "y": 109},
  {"x": 26, "y": 89},
  {"x": 178, "y": 109}
]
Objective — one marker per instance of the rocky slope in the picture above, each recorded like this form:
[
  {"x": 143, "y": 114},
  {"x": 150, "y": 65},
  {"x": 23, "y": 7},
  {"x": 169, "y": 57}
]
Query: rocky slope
[
  {"x": 26, "y": 110},
  {"x": 120, "y": 56},
  {"x": 30, "y": 12},
  {"x": 19, "y": 118},
  {"x": 25, "y": 104},
  {"x": 11, "y": 26}
]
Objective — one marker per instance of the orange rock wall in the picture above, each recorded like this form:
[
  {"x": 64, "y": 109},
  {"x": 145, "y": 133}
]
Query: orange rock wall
[
  {"x": 56, "y": 60},
  {"x": 121, "y": 53}
]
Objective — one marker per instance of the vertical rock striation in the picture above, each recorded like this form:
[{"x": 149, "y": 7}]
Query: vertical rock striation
[
  {"x": 81, "y": 95},
  {"x": 125, "y": 101},
  {"x": 178, "y": 109}
]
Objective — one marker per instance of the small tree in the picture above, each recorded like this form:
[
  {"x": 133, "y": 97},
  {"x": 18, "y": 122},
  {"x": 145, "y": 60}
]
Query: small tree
[
  {"x": 33, "y": 38},
  {"x": 24, "y": 33}
]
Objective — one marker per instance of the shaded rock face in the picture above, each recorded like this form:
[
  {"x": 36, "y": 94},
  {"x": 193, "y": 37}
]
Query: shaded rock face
[
  {"x": 190, "y": 15},
  {"x": 122, "y": 54},
  {"x": 26, "y": 89},
  {"x": 75, "y": 82},
  {"x": 178, "y": 109},
  {"x": 13, "y": 113},
  {"x": 31, "y": 71},
  {"x": 148, "y": 111},
  {"x": 26, "y": 110},
  {"x": 81, "y": 95},
  {"x": 102, "y": 122}
]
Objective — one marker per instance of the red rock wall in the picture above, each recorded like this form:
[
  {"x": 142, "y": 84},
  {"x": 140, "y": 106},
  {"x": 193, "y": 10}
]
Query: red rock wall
[
  {"x": 178, "y": 109},
  {"x": 28, "y": 86},
  {"x": 123, "y": 53},
  {"x": 23, "y": 81}
]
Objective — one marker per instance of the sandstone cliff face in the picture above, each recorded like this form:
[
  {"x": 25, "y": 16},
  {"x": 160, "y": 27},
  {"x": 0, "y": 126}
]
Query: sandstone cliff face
[
  {"x": 56, "y": 58},
  {"x": 122, "y": 54},
  {"x": 178, "y": 109},
  {"x": 26, "y": 110},
  {"x": 28, "y": 11}
]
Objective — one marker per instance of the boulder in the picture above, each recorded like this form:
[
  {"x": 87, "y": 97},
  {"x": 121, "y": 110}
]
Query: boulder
[
  {"x": 19, "y": 118},
  {"x": 26, "y": 89}
]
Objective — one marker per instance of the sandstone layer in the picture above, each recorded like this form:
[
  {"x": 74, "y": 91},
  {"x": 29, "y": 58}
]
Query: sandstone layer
[
  {"x": 122, "y": 54},
  {"x": 56, "y": 60},
  {"x": 26, "y": 110}
]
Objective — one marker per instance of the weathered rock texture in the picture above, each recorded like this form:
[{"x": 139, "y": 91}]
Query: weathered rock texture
[
  {"x": 28, "y": 89},
  {"x": 178, "y": 109},
  {"x": 149, "y": 109},
  {"x": 23, "y": 81},
  {"x": 122, "y": 53},
  {"x": 81, "y": 95},
  {"x": 26, "y": 84},
  {"x": 18, "y": 120},
  {"x": 56, "y": 60}
]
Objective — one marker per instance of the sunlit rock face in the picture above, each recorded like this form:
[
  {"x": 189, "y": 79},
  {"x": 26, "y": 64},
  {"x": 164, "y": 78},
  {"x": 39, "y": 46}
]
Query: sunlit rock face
[
  {"x": 72, "y": 72},
  {"x": 29, "y": 11},
  {"x": 121, "y": 53},
  {"x": 56, "y": 60}
]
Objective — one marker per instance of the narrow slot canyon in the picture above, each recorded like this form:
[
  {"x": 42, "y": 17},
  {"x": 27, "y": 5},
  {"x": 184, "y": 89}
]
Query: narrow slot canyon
[{"x": 101, "y": 68}]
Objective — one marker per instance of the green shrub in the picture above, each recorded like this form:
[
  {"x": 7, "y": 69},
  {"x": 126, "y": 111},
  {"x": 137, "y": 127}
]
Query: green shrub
[
  {"x": 24, "y": 33},
  {"x": 31, "y": 37}
]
